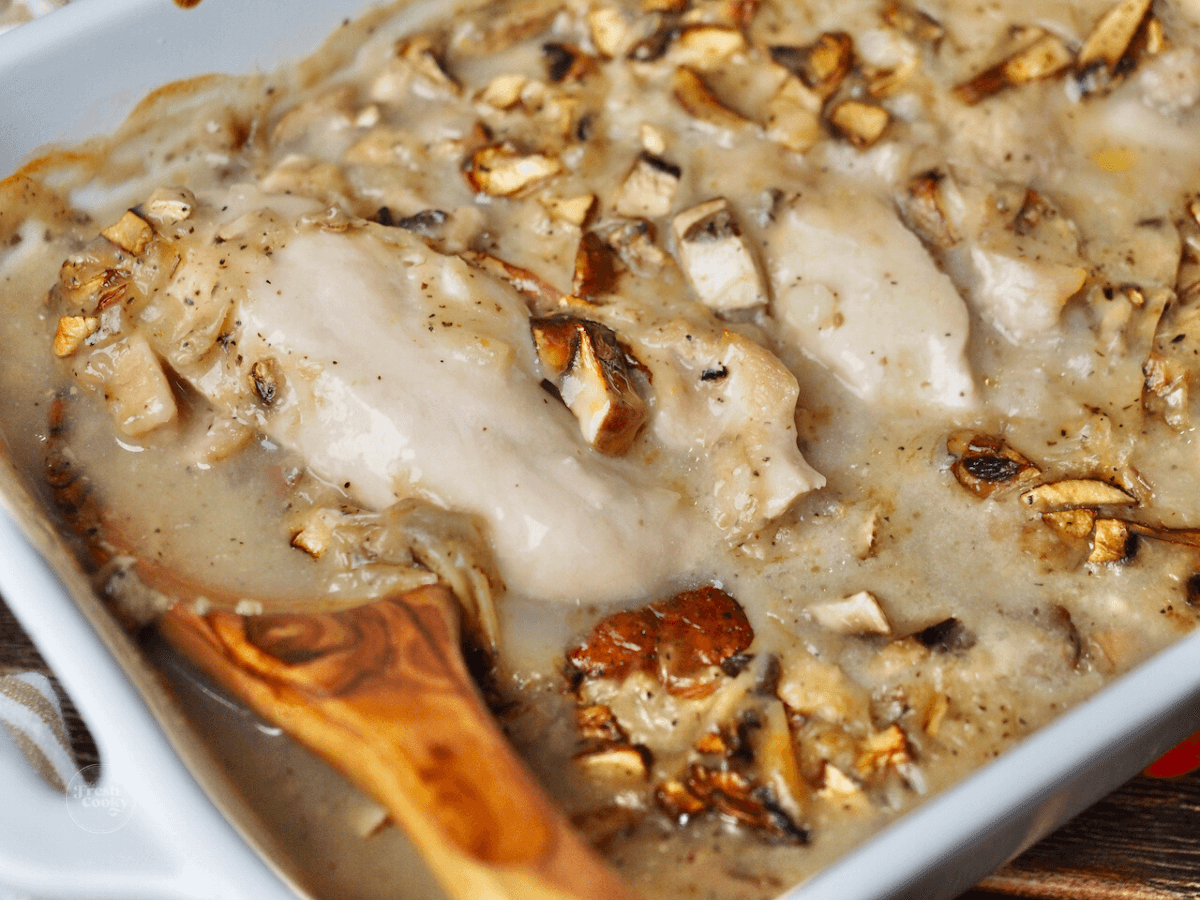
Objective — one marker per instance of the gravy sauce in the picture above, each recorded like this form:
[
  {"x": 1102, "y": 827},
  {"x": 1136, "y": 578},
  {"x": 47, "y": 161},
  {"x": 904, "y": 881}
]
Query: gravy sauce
[{"x": 913, "y": 356}]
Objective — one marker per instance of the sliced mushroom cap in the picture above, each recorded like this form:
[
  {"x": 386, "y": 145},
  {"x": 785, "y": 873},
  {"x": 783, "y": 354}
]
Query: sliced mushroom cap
[
  {"x": 593, "y": 379},
  {"x": 716, "y": 258}
]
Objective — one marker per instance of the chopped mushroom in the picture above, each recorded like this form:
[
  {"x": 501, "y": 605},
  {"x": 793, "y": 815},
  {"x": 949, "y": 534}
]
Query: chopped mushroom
[
  {"x": 315, "y": 535},
  {"x": 616, "y": 765},
  {"x": 1046, "y": 56},
  {"x": 131, "y": 379},
  {"x": 857, "y": 614},
  {"x": 679, "y": 641},
  {"x": 170, "y": 206},
  {"x": 716, "y": 258},
  {"x": 131, "y": 233},
  {"x": 502, "y": 171},
  {"x": 72, "y": 332},
  {"x": 573, "y": 210},
  {"x": 609, "y": 30},
  {"x": 793, "y": 116},
  {"x": 593, "y": 379},
  {"x": 882, "y": 750},
  {"x": 1112, "y": 541},
  {"x": 925, "y": 210},
  {"x": 595, "y": 268},
  {"x": 822, "y": 65},
  {"x": 837, "y": 787},
  {"x": 1076, "y": 523},
  {"x": 733, "y": 795},
  {"x": 705, "y": 47},
  {"x": 695, "y": 96},
  {"x": 1073, "y": 492},
  {"x": 913, "y": 22},
  {"x": 420, "y": 53},
  {"x": 1108, "y": 43},
  {"x": 862, "y": 124},
  {"x": 988, "y": 463},
  {"x": 504, "y": 91},
  {"x": 649, "y": 188},
  {"x": 597, "y": 723},
  {"x": 566, "y": 62}
]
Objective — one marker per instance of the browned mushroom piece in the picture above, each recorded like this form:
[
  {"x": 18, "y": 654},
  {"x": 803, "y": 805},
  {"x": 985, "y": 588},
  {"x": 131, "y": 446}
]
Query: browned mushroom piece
[
  {"x": 1108, "y": 46},
  {"x": 591, "y": 372},
  {"x": 924, "y": 208},
  {"x": 1044, "y": 57},
  {"x": 732, "y": 794},
  {"x": 822, "y": 65},
  {"x": 862, "y": 124},
  {"x": 914, "y": 22},
  {"x": 502, "y": 170},
  {"x": 566, "y": 62},
  {"x": 700, "y": 102},
  {"x": 678, "y": 641},
  {"x": 986, "y": 464},
  {"x": 595, "y": 268}
]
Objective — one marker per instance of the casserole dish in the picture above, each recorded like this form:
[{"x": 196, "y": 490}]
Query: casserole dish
[{"x": 937, "y": 851}]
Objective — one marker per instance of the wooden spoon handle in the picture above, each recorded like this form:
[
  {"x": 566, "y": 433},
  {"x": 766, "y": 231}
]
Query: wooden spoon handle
[{"x": 381, "y": 692}]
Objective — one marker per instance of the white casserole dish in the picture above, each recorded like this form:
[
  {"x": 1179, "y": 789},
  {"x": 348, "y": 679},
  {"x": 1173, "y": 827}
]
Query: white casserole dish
[{"x": 78, "y": 72}]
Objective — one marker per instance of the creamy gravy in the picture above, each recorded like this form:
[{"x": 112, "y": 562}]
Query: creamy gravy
[{"x": 865, "y": 374}]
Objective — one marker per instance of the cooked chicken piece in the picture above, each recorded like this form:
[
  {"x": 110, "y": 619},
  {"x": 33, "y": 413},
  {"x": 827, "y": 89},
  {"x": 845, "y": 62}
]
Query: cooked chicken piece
[
  {"x": 731, "y": 403},
  {"x": 258, "y": 343},
  {"x": 854, "y": 289}
]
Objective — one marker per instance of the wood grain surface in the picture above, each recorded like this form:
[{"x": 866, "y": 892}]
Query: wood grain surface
[{"x": 1140, "y": 843}]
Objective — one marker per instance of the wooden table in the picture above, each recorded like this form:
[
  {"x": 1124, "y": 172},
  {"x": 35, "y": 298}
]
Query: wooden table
[{"x": 1140, "y": 843}]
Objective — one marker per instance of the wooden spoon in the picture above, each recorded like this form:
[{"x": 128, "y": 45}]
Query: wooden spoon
[{"x": 381, "y": 692}]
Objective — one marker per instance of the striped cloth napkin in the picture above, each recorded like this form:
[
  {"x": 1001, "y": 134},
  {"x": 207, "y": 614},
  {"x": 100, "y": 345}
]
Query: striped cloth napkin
[{"x": 30, "y": 710}]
